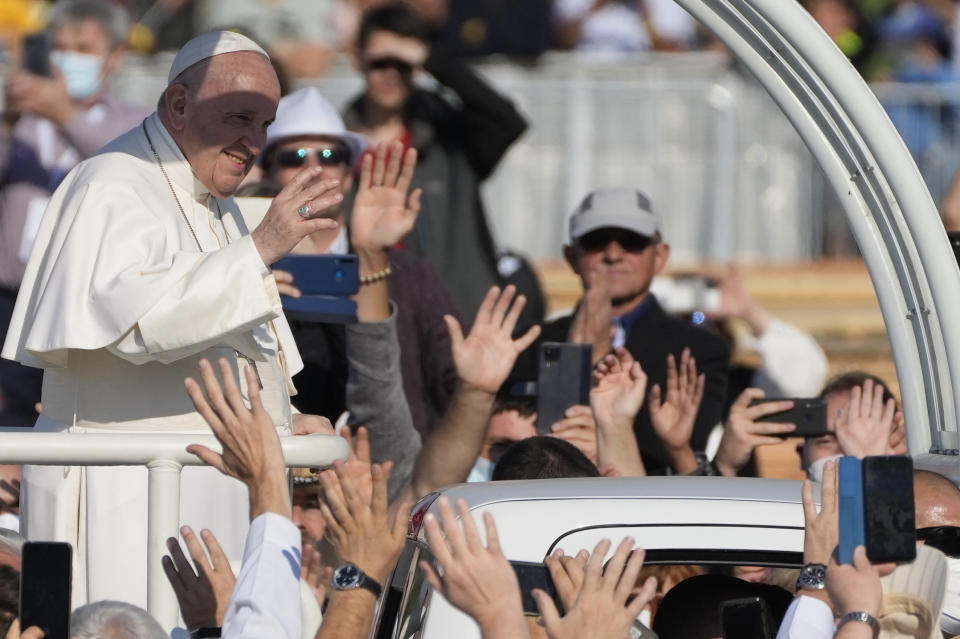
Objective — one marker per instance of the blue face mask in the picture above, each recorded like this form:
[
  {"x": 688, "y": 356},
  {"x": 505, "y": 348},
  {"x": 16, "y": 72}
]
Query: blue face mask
[
  {"x": 82, "y": 72},
  {"x": 482, "y": 470}
]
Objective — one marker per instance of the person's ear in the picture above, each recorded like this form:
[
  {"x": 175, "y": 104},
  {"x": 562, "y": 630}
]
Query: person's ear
[
  {"x": 662, "y": 254},
  {"x": 175, "y": 105}
]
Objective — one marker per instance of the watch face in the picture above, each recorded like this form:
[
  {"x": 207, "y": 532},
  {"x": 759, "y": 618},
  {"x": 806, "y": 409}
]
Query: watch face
[{"x": 346, "y": 576}]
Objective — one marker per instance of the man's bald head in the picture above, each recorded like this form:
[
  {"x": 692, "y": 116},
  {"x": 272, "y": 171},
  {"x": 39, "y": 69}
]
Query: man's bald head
[
  {"x": 217, "y": 111},
  {"x": 937, "y": 500}
]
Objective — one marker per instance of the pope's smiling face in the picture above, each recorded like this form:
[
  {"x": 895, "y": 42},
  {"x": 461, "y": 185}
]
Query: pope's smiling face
[{"x": 219, "y": 115}]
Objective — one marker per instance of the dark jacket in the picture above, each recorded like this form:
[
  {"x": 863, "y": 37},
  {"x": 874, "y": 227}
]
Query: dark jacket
[
  {"x": 653, "y": 335},
  {"x": 426, "y": 364},
  {"x": 459, "y": 145}
]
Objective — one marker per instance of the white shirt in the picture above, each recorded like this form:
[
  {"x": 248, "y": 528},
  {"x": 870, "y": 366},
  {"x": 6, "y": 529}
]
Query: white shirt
[
  {"x": 807, "y": 618},
  {"x": 265, "y": 603}
]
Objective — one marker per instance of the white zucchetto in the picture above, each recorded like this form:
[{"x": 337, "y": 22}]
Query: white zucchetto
[{"x": 208, "y": 45}]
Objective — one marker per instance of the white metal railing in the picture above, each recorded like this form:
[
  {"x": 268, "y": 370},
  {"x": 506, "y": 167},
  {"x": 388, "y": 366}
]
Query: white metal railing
[{"x": 164, "y": 456}]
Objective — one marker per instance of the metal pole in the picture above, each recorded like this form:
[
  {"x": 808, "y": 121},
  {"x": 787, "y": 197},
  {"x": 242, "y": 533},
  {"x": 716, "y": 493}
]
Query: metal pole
[{"x": 163, "y": 522}]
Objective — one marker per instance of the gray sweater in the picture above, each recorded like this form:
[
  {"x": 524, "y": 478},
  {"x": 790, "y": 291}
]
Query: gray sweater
[{"x": 375, "y": 397}]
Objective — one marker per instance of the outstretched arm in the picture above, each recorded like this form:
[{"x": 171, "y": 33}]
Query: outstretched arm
[{"x": 484, "y": 359}]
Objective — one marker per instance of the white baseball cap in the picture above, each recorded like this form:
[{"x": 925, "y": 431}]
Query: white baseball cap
[
  {"x": 307, "y": 113},
  {"x": 622, "y": 208}
]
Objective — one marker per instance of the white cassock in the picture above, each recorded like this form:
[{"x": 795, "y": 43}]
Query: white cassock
[{"x": 118, "y": 304}]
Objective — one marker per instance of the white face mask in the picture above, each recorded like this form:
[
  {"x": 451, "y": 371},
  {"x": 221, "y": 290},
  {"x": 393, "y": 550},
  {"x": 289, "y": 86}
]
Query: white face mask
[
  {"x": 482, "y": 470},
  {"x": 81, "y": 71},
  {"x": 950, "y": 619},
  {"x": 815, "y": 470}
]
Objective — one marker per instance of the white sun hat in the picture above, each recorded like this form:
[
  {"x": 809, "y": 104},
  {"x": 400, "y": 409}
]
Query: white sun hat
[{"x": 306, "y": 113}]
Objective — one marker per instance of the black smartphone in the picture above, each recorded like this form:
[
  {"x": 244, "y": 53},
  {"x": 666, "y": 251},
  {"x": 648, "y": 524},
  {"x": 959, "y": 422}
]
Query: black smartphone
[
  {"x": 745, "y": 618},
  {"x": 563, "y": 380},
  {"x": 808, "y": 413},
  {"x": 532, "y": 575},
  {"x": 328, "y": 275},
  {"x": 45, "y": 581},
  {"x": 954, "y": 237},
  {"x": 36, "y": 54},
  {"x": 889, "y": 524}
]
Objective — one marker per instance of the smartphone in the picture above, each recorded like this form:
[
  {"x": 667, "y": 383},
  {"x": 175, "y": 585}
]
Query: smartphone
[
  {"x": 45, "y": 581},
  {"x": 745, "y": 618},
  {"x": 954, "y": 237},
  {"x": 808, "y": 413},
  {"x": 849, "y": 507},
  {"x": 876, "y": 508},
  {"x": 36, "y": 54},
  {"x": 889, "y": 523},
  {"x": 563, "y": 380},
  {"x": 328, "y": 275},
  {"x": 532, "y": 575},
  {"x": 320, "y": 308}
]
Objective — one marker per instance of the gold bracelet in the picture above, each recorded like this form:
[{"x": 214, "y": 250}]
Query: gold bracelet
[{"x": 376, "y": 277}]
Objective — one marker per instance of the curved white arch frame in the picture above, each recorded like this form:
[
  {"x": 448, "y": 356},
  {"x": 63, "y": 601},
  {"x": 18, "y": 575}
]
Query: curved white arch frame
[{"x": 890, "y": 211}]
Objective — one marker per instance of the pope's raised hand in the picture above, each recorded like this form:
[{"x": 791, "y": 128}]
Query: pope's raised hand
[
  {"x": 485, "y": 357},
  {"x": 296, "y": 212},
  {"x": 385, "y": 209}
]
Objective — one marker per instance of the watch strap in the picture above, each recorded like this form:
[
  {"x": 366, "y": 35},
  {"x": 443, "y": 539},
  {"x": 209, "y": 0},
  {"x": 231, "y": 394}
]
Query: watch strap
[
  {"x": 369, "y": 583},
  {"x": 862, "y": 617}
]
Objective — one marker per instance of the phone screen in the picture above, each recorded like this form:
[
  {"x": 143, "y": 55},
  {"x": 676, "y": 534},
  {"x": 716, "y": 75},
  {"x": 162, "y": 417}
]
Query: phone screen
[
  {"x": 45, "y": 588},
  {"x": 809, "y": 415},
  {"x": 530, "y": 576},
  {"x": 889, "y": 523},
  {"x": 745, "y": 619}
]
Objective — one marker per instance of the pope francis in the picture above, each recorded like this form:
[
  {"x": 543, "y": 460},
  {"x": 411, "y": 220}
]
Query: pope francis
[{"x": 143, "y": 266}]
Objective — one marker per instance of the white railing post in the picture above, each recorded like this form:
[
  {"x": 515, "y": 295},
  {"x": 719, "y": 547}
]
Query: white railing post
[{"x": 163, "y": 520}]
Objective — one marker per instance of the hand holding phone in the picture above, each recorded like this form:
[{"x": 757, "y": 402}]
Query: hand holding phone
[
  {"x": 563, "y": 381},
  {"x": 530, "y": 576},
  {"x": 808, "y": 414}
]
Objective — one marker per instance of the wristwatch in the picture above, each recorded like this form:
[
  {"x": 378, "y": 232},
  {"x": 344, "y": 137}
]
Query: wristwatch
[
  {"x": 349, "y": 577},
  {"x": 812, "y": 577},
  {"x": 862, "y": 617}
]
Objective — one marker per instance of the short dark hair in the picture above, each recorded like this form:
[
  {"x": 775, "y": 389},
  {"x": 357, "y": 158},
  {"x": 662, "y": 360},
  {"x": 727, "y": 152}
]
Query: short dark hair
[
  {"x": 852, "y": 379},
  {"x": 113, "y": 19},
  {"x": 543, "y": 458},
  {"x": 9, "y": 596},
  {"x": 506, "y": 401},
  {"x": 395, "y": 17}
]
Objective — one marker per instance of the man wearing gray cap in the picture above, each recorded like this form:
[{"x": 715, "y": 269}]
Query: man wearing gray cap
[
  {"x": 142, "y": 267},
  {"x": 616, "y": 248}
]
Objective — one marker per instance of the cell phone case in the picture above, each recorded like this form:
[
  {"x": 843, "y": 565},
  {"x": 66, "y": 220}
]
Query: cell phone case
[
  {"x": 323, "y": 275},
  {"x": 850, "y": 504},
  {"x": 320, "y": 308},
  {"x": 563, "y": 381}
]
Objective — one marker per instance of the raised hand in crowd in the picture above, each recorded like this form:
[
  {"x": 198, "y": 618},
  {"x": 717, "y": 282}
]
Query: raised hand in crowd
[
  {"x": 593, "y": 321},
  {"x": 567, "y": 574},
  {"x": 821, "y": 532},
  {"x": 603, "y": 606},
  {"x": 867, "y": 426},
  {"x": 856, "y": 588},
  {"x": 474, "y": 577},
  {"x": 483, "y": 360},
  {"x": 251, "y": 446},
  {"x": 33, "y": 632},
  {"x": 616, "y": 399},
  {"x": 579, "y": 428},
  {"x": 485, "y": 357},
  {"x": 358, "y": 464},
  {"x": 673, "y": 413},
  {"x": 743, "y": 432},
  {"x": 315, "y": 574},
  {"x": 736, "y": 301},
  {"x": 203, "y": 589},
  {"x": 39, "y": 95},
  {"x": 363, "y": 535}
]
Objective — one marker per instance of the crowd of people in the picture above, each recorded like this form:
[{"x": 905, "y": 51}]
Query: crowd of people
[{"x": 129, "y": 266}]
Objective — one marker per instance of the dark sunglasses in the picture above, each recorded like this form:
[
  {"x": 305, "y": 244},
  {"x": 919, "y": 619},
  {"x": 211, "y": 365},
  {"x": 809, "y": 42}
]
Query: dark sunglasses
[
  {"x": 325, "y": 157},
  {"x": 599, "y": 239},
  {"x": 381, "y": 64},
  {"x": 944, "y": 538}
]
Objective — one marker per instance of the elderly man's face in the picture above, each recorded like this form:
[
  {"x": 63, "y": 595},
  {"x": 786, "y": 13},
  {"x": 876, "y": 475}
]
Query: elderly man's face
[
  {"x": 221, "y": 122},
  {"x": 628, "y": 261}
]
